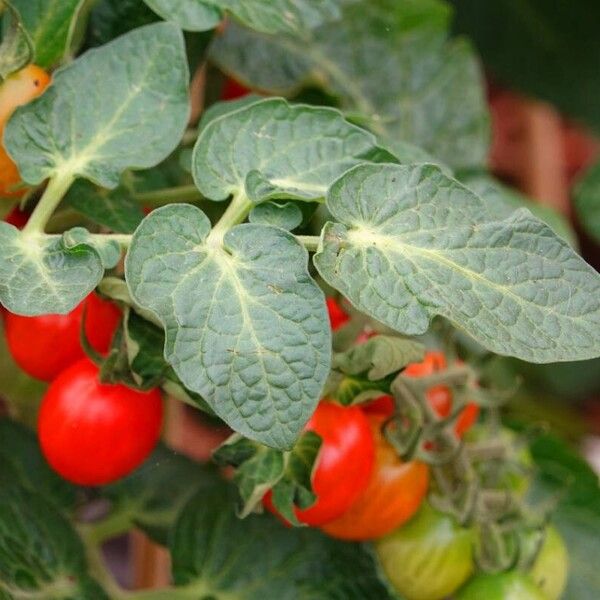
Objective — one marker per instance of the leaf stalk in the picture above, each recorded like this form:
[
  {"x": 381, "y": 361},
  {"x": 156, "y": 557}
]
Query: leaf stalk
[{"x": 53, "y": 194}]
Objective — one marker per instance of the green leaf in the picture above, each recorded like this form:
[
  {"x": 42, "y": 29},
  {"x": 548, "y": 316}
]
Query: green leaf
[
  {"x": 354, "y": 389},
  {"x": 50, "y": 24},
  {"x": 563, "y": 474},
  {"x": 587, "y": 201},
  {"x": 413, "y": 243},
  {"x": 271, "y": 16},
  {"x": 221, "y": 556},
  {"x": 501, "y": 196},
  {"x": 108, "y": 250},
  {"x": 115, "y": 209},
  {"x": 246, "y": 327},
  {"x": 218, "y": 109},
  {"x": 43, "y": 274},
  {"x": 16, "y": 49},
  {"x": 40, "y": 553},
  {"x": 379, "y": 356},
  {"x": 154, "y": 494},
  {"x": 259, "y": 469},
  {"x": 271, "y": 149},
  {"x": 287, "y": 216},
  {"x": 81, "y": 127},
  {"x": 390, "y": 62},
  {"x": 21, "y": 450},
  {"x": 111, "y": 18}
]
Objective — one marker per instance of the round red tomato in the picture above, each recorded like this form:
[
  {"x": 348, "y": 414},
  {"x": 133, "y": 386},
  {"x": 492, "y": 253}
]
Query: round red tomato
[
  {"x": 394, "y": 493},
  {"x": 43, "y": 346},
  {"x": 440, "y": 396},
  {"x": 232, "y": 90},
  {"x": 17, "y": 217},
  {"x": 344, "y": 463},
  {"x": 337, "y": 316},
  {"x": 93, "y": 433},
  {"x": 19, "y": 88}
]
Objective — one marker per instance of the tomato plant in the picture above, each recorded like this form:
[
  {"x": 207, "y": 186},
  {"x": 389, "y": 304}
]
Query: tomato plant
[
  {"x": 45, "y": 345},
  {"x": 93, "y": 433},
  {"x": 429, "y": 558},
  {"x": 395, "y": 491},
  {"x": 344, "y": 463},
  {"x": 328, "y": 275},
  {"x": 503, "y": 586}
]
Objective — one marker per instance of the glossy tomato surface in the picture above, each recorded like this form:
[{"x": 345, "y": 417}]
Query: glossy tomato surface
[
  {"x": 337, "y": 316},
  {"x": 550, "y": 569},
  {"x": 429, "y": 557},
  {"x": 344, "y": 464},
  {"x": 501, "y": 586},
  {"x": 395, "y": 492},
  {"x": 16, "y": 90},
  {"x": 93, "y": 433},
  {"x": 43, "y": 346}
]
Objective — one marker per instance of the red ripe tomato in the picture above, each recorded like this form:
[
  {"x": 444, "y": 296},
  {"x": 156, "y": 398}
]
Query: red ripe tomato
[
  {"x": 440, "y": 396},
  {"x": 20, "y": 88},
  {"x": 46, "y": 345},
  {"x": 394, "y": 493},
  {"x": 17, "y": 217},
  {"x": 344, "y": 464},
  {"x": 232, "y": 90},
  {"x": 337, "y": 316},
  {"x": 93, "y": 433}
]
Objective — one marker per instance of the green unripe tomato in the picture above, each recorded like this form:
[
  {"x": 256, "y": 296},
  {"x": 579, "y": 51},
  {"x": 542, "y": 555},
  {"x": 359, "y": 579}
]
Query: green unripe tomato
[
  {"x": 551, "y": 566},
  {"x": 429, "y": 557},
  {"x": 501, "y": 586}
]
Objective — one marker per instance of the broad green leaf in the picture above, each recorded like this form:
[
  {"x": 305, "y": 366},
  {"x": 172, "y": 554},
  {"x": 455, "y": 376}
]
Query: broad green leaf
[
  {"x": 41, "y": 274},
  {"x": 287, "y": 216},
  {"x": 259, "y": 469},
  {"x": 271, "y": 16},
  {"x": 81, "y": 127},
  {"x": 40, "y": 553},
  {"x": 246, "y": 327},
  {"x": 412, "y": 243},
  {"x": 271, "y": 149},
  {"x": 587, "y": 201},
  {"x": 354, "y": 389},
  {"x": 16, "y": 49},
  {"x": 154, "y": 494},
  {"x": 108, "y": 250},
  {"x": 115, "y": 209},
  {"x": 387, "y": 60},
  {"x": 563, "y": 475},
  {"x": 379, "y": 356},
  {"x": 50, "y": 24},
  {"x": 506, "y": 198},
  {"x": 221, "y": 556},
  {"x": 20, "y": 449},
  {"x": 218, "y": 109}
]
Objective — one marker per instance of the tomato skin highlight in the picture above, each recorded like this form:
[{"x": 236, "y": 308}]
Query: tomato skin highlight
[
  {"x": 394, "y": 493},
  {"x": 44, "y": 346},
  {"x": 428, "y": 558},
  {"x": 550, "y": 569},
  {"x": 93, "y": 433},
  {"x": 501, "y": 586},
  {"x": 344, "y": 464},
  {"x": 18, "y": 89},
  {"x": 337, "y": 317}
]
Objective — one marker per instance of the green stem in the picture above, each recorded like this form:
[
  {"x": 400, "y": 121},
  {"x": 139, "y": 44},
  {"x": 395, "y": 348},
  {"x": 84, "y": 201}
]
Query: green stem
[
  {"x": 189, "y": 137},
  {"x": 54, "y": 193},
  {"x": 183, "y": 193},
  {"x": 310, "y": 242},
  {"x": 123, "y": 239},
  {"x": 116, "y": 523},
  {"x": 236, "y": 212}
]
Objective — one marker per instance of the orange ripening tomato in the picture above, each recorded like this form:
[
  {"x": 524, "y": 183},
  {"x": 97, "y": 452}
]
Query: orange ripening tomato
[
  {"x": 395, "y": 492},
  {"x": 337, "y": 316},
  {"x": 344, "y": 464},
  {"x": 20, "y": 88}
]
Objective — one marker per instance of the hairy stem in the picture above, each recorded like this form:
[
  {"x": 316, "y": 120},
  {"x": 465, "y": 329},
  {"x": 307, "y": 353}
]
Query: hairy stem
[
  {"x": 183, "y": 193},
  {"x": 310, "y": 242},
  {"x": 236, "y": 212},
  {"x": 54, "y": 193},
  {"x": 123, "y": 239}
]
